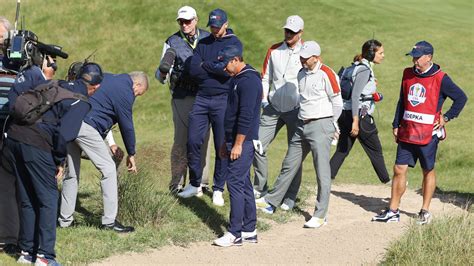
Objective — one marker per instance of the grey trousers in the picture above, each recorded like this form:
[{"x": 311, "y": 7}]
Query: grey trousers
[
  {"x": 315, "y": 136},
  {"x": 179, "y": 152},
  {"x": 271, "y": 122},
  {"x": 90, "y": 141}
]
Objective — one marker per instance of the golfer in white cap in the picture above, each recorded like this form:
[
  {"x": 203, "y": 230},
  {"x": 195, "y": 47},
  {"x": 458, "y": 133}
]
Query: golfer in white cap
[
  {"x": 280, "y": 102},
  {"x": 320, "y": 107}
]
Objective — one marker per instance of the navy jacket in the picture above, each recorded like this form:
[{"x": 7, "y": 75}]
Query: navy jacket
[
  {"x": 243, "y": 105},
  {"x": 448, "y": 90},
  {"x": 211, "y": 80},
  {"x": 25, "y": 80},
  {"x": 113, "y": 103},
  {"x": 60, "y": 124}
]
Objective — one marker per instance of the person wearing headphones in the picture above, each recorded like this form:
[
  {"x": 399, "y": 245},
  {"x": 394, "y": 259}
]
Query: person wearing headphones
[
  {"x": 36, "y": 154},
  {"x": 356, "y": 120},
  {"x": 112, "y": 104}
]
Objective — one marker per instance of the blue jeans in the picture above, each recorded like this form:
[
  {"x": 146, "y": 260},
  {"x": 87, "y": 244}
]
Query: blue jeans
[{"x": 206, "y": 109}]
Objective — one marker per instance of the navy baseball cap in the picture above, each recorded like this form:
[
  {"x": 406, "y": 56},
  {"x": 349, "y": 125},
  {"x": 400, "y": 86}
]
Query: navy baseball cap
[
  {"x": 228, "y": 53},
  {"x": 421, "y": 48},
  {"x": 217, "y": 18}
]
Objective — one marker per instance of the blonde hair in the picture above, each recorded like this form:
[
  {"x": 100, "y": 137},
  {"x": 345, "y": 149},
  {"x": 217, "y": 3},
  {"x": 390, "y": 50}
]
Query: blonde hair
[{"x": 139, "y": 77}]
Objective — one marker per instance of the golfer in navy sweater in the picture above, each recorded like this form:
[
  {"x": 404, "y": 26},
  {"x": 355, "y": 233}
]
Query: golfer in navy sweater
[
  {"x": 241, "y": 128},
  {"x": 210, "y": 104},
  {"x": 112, "y": 104}
]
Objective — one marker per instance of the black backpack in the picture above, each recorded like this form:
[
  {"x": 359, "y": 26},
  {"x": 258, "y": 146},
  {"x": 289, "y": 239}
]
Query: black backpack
[
  {"x": 346, "y": 80},
  {"x": 32, "y": 104}
]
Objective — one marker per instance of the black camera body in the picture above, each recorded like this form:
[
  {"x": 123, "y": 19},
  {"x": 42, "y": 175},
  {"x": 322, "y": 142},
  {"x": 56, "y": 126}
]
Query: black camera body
[{"x": 23, "y": 49}]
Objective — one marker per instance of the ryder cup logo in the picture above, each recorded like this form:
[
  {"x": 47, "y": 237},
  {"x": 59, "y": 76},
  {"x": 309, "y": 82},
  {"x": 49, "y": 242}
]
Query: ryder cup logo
[{"x": 416, "y": 94}]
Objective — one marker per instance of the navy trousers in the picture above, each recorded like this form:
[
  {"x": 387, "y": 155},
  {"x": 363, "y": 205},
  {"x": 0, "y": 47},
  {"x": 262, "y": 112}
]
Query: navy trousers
[
  {"x": 206, "y": 109},
  {"x": 38, "y": 192},
  {"x": 243, "y": 216}
]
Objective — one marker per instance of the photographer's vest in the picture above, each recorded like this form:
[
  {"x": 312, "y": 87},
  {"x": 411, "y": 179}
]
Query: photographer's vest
[
  {"x": 420, "y": 98},
  {"x": 184, "y": 86}
]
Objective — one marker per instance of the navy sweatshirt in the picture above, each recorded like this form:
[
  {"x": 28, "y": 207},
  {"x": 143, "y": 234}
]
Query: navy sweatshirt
[
  {"x": 211, "y": 80},
  {"x": 448, "y": 90},
  {"x": 113, "y": 103},
  {"x": 243, "y": 105},
  {"x": 70, "y": 113},
  {"x": 25, "y": 80},
  {"x": 62, "y": 122}
]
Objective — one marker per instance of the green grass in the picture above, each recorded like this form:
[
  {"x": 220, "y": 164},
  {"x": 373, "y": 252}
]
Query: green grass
[
  {"x": 129, "y": 36},
  {"x": 447, "y": 240}
]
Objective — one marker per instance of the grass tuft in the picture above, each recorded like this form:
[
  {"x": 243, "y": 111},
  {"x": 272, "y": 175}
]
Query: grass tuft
[{"x": 448, "y": 240}]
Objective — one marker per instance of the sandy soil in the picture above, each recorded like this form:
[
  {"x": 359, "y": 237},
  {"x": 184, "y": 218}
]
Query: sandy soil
[{"x": 348, "y": 238}]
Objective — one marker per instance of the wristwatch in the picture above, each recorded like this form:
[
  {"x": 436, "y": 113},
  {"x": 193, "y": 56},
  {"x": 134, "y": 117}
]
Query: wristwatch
[{"x": 445, "y": 118}]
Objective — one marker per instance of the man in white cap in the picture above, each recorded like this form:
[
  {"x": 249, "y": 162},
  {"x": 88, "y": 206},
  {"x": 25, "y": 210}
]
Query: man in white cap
[
  {"x": 320, "y": 107},
  {"x": 280, "y": 102},
  {"x": 183, "y": 93}
]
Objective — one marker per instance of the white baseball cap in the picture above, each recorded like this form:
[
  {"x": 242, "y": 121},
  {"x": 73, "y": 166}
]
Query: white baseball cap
[
  {"x": 309, "y": 49},
  {"x": 294, "y": 23},
  {"x": 186, "y": 12}
]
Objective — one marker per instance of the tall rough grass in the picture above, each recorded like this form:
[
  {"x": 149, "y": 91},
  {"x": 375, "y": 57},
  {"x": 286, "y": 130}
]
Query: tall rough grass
[
  {"x": 142, "y": 200},
  {"x": 448, "y": 240}
]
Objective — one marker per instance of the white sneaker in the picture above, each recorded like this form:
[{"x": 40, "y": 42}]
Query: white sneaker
[
  {"x": 200, "y": 192},
  {"x": 227, "y": 240},
  {"x": 25, "y": 258},
  {"x": 189, "y": 191},
  {"x": 250, "y": 237},
  {"x": 217, "y": 198},
  {"x": 284, "y": 207},
  {"x": 315, "y": 222},
  {"x": 256, "y": 193}
]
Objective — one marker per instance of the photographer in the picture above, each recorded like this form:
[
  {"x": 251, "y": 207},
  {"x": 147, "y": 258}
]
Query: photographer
[
  {"x": 9, "y": 220},
  {"x": 183, "y": 91},
  {"x": 36, "y": 153}
]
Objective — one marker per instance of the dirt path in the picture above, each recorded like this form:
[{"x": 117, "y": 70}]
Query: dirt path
[{"x": 348, "y": 238}]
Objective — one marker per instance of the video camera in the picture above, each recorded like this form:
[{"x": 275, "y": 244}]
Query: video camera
[{"x": 23, "y": 49}]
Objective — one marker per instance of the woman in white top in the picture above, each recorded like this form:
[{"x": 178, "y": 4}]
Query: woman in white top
[{"x": 356, "y": 120}]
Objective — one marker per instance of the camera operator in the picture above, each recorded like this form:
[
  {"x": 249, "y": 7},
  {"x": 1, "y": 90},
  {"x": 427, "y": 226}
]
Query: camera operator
[
  {"x": 4, "y": 28},
  {"x": 9, "y": 220},
  {"x": 183, "y": 91}
]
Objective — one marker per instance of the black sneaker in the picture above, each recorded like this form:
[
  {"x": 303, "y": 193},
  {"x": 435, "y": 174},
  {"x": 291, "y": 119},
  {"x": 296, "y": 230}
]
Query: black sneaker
[
  {"x": 387, "y": 216},
  {"x": 11, "y": 249},
  {"x": 118, "y": 227},
  {"x": 424, "y": 217}
]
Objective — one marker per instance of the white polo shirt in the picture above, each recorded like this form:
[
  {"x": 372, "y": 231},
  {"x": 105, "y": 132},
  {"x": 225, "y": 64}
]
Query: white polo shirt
[{"x": 320, "y": 93}]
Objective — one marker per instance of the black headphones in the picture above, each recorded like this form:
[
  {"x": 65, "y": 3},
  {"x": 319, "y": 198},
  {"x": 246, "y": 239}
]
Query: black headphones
[
  {"x": 370, "y": 56},
  {"x": 93, "y": 70}
]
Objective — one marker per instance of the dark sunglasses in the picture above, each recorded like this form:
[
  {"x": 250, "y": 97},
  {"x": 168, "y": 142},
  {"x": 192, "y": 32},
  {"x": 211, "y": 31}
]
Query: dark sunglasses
[
  {"x": 185, "y": 21},
  {"x": 290, "y": 32}
]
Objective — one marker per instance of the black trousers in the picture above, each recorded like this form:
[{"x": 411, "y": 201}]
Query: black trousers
[
  {"x": 9, "y": 217},
  {"x": 368, "y": 138},
  {"x": 35, "y": 171}
]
